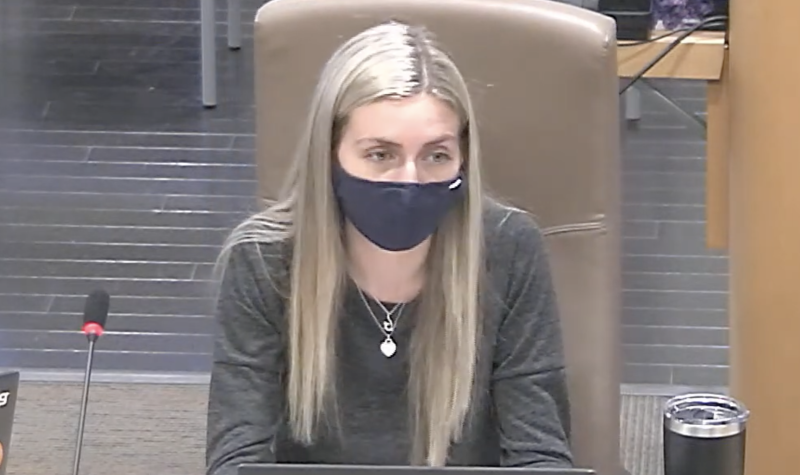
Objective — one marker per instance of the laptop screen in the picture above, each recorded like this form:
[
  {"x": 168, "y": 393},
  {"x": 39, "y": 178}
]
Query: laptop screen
[
  {"x": 312, "y": 469},
  {"x": 9, "y": 383}
]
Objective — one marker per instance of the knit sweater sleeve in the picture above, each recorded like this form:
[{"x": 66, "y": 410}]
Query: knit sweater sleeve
[
  {"x": 529, "y": 381},
  {"x": 246, "y": 398}
]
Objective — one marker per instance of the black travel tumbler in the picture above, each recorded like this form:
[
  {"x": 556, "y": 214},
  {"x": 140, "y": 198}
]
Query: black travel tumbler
[{"x": 704, "y": 434}]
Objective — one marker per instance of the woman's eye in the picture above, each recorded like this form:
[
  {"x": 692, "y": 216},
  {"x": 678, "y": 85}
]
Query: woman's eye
[
  {"x": 439, "y": 157},
  {"x": 378, "y": 155}
]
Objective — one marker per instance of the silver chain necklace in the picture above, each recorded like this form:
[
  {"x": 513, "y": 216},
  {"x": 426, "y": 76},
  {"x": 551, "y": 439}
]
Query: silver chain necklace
[{"x": 387, "y": 326}]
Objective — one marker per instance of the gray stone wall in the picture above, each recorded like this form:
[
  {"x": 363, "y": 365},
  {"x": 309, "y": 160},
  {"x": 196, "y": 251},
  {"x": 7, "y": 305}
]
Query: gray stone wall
[{"x": 675, "y": 289}]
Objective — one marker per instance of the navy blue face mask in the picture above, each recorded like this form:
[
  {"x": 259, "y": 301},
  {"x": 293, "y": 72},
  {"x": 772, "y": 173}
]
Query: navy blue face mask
[{"x": 395, "y": 216}]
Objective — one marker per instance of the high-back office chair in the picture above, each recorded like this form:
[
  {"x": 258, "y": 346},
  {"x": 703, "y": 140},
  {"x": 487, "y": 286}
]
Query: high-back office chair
[{"x": 543, "y": 76}]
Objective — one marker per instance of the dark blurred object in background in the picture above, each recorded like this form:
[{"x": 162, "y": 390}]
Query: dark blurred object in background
[
  {"x": 672, "y": 14},
  {"x": 720, "y": 8},
  {"x": 634, "y": 17},
  {"x": 637, "y": 18},
  {"x": 587, "y": 4}
]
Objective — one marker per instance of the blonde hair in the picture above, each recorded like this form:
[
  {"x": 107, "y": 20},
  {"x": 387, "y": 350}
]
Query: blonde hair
[{"x": 390, "y": 60}]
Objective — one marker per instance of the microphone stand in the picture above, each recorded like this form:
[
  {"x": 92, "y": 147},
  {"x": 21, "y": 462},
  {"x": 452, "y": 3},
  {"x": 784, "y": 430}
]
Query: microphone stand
[{"x": 92, "y": 337}]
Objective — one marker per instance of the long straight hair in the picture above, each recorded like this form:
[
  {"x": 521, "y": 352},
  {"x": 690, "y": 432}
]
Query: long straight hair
[{"x": 388, "y": 61}]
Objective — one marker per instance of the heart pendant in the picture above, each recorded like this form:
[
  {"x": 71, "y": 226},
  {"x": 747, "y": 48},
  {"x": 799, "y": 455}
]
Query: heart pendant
[{"x": 388, "y": 348}]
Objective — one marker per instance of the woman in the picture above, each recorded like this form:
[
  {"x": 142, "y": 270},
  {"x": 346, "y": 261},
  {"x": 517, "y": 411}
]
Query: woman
[{"x": 384, "y": 311}]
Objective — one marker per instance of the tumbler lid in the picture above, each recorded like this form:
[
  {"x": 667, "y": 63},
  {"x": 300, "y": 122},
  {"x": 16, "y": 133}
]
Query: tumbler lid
[{"x": 705, "y": 415}]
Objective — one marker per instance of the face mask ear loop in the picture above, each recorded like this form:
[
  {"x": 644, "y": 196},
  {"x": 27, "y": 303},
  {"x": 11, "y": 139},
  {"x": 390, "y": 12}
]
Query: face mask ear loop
[{"x": 462, "y": 174}]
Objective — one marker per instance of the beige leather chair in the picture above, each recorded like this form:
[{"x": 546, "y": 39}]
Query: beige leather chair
[{"x": 544, "y": 80}]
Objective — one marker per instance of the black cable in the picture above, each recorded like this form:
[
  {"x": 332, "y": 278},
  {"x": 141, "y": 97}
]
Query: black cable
[
  {"x": 719, "y": 21},
  {"x": 670, "y": 47},
  {"x": 653, "y": 39}
]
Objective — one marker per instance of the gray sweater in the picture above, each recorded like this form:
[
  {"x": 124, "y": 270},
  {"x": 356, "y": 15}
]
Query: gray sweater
[{"x": 521, "y": 412}]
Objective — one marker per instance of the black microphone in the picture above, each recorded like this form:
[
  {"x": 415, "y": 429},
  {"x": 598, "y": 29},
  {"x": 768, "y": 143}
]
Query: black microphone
[{"x": 95, "y": 313}]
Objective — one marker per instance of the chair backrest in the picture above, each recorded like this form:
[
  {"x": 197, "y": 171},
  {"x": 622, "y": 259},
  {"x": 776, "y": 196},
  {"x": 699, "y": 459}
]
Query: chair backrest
[{"x": 543, "y": 77}]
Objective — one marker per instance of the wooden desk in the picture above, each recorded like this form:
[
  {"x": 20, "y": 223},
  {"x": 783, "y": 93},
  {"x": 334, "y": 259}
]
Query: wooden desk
[{"x": 701, "y": 56}]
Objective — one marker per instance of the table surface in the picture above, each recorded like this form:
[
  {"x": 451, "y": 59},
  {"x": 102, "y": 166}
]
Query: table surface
[{"x": 699, "y": 56}]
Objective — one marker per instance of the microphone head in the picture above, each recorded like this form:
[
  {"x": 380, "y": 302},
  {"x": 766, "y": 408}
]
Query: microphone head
[{"x": 96, "y": 309}]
